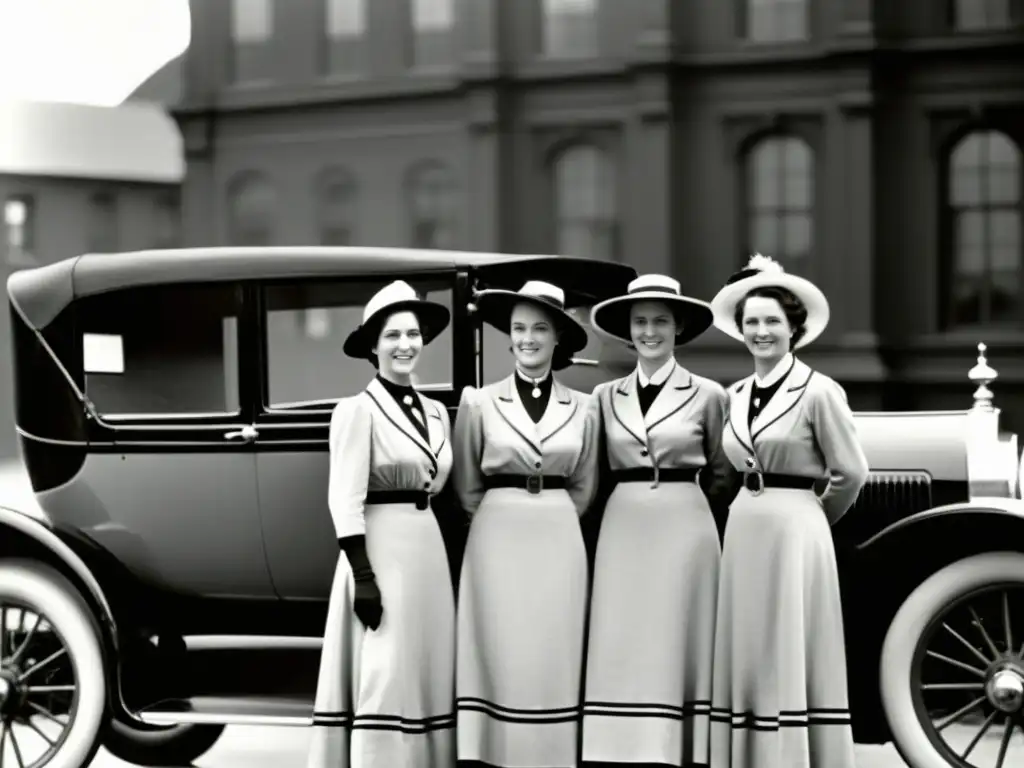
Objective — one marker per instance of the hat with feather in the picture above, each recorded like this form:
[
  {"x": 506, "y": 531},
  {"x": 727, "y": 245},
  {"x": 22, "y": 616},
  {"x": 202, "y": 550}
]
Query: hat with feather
[{"x": 765, "y": 272}]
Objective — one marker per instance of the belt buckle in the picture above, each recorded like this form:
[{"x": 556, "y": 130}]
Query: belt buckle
[
  {"x": 534, "y": 483},
  {"x": 753, "y": 471}
]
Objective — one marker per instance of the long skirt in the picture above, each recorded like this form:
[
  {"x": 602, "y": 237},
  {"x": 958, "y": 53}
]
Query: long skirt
[
  {"x": 385, "y": 697},
  {"x": 521, "y": 626},
  {"x": 652, "y": 628},
  {"x": 780, "y": 695}
]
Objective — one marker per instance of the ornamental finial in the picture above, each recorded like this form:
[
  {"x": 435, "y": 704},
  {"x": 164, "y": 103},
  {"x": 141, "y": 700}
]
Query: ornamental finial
[{"x": 982, "y": 374}]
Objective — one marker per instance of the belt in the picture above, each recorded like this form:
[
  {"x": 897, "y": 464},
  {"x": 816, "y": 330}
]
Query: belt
[
  {"x": 756, "y": 482},
  {"x": 650, "y": 474},
  {"x": 420, "y": 498},
  {"x": 532, "y": 483}
]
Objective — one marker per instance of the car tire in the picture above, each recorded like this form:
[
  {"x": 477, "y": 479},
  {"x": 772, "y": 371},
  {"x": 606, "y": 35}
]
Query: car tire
[
  {"x": 152, "y": 745},
  {"x": 899, "y": 649},
  {"x": 47, "y": 593}
]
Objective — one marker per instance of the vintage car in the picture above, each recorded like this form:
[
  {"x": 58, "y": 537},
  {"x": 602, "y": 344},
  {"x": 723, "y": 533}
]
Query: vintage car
[{"x": 168, "y": 574}]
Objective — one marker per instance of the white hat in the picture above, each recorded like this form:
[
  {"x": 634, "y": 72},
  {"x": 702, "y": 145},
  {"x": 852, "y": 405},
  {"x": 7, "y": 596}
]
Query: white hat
[
  {"x": 764, "y": 272},
  {"x": 611, "y": 317},
  {"x": 394, "y": 297},
  {"x": 495, "y": 307}
]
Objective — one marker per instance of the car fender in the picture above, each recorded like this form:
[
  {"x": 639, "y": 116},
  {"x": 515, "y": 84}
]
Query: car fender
[
  {"x": 42, "y": 534},
  {"x": 996, "y": 505}
]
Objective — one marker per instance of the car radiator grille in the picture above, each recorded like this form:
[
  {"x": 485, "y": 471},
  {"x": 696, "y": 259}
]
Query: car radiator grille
[{"x": 890, "y": 496}]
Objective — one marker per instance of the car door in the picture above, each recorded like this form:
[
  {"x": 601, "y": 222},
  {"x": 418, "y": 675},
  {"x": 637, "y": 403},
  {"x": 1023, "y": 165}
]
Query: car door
[
  {"x": 303, "y": 326},
  {"x": 169, "y": 485}
]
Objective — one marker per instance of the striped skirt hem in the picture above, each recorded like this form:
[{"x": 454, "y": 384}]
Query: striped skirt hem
[
  {"x": 791, "y": 718},
  {"x": 507, "y": 714},
  {"x": 407, "y": 725}
]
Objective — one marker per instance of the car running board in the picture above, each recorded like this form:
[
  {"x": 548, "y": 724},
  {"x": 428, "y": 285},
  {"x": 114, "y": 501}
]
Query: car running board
[{"x": 213, "y": 710}]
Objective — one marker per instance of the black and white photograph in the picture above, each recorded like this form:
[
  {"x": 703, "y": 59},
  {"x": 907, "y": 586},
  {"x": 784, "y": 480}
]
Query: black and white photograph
[{"x": 512, "y": 384}]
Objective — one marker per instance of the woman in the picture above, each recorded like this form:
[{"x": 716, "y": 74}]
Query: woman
[
  {"x": 385, "y": 693},
  {"x": 652, "y": 623},
  {"x": 525, "y": 460},
  {"x": 780, "y": 692}
]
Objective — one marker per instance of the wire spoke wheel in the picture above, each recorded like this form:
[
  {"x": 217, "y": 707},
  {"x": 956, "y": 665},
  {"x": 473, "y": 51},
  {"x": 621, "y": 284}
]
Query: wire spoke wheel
[
  {"x": 51, "y": 680},
  {"x": 968, "y": 677}
]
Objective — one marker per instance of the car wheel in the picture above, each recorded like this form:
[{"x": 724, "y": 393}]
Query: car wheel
[
  {"x": 52, "y": 686},
  {"x": 157, "y": 745},
  {"x": 952, "y": 666}
]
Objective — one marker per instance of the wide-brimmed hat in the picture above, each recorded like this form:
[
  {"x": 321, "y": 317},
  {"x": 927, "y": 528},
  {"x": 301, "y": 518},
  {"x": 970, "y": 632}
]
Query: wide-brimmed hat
[
  {"x": 764, "y": 272},
  {"x": 495, "y": 307},
  {"x": 398, "y": 296},
  {"x": 611, "y": 317}
]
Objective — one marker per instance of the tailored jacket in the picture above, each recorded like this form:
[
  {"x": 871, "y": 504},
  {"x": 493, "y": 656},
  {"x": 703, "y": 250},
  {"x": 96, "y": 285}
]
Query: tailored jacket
[
  {"x": 494, "y": 435},
  {"x": 806, "y": 429},
  {"x": 682, "y": 429},
  {"x": 375, "y": 447}
]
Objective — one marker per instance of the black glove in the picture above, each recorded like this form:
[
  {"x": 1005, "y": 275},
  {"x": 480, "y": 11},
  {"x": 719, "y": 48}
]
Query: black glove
[{"x": 367, "y": 604}]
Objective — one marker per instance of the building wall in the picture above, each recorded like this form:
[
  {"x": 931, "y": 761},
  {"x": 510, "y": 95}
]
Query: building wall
[
  {"x": 675, "y": 97},
  {"x": 65, "y": 221}
]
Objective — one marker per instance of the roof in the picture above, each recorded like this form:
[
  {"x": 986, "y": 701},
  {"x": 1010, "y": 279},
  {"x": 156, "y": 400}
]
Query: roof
[
  {"x": 132, "y": 142},
  {"x": 40, "y": 294}
]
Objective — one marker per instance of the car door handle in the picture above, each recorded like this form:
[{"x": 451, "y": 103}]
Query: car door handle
[{"x": 247, "y": 434}]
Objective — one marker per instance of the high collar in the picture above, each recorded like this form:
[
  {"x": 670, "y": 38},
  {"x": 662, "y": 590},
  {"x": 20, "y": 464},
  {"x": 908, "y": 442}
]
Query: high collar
[
  {"x": 659, "y": 377},
  {"x": 777, "y": 373},
  {"x": 523, "y": 377}
]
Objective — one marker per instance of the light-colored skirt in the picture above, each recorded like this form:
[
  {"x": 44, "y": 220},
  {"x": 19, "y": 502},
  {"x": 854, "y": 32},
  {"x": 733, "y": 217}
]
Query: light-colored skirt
[
  {"x": 385, "y": 697},
  {"x": 780, "y": 694},
  {"x": 522, "y": 612},
  {"x": 652, "y": 628}
]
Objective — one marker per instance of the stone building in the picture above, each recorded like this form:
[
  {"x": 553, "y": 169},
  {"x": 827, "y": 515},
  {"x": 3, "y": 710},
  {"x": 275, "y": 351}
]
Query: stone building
[{"x": 872, "y": 146}]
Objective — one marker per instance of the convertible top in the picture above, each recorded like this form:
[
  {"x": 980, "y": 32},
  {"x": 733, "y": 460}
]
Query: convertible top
[{"x": 41, "y": 294}]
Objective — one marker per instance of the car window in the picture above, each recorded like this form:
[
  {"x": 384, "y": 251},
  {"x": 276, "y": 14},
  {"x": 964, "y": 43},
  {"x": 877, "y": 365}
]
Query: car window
[
  {"x": 306, "y": 327},
  {"x": 613, "y": 360},
  {"x": 167, "y": 350}
]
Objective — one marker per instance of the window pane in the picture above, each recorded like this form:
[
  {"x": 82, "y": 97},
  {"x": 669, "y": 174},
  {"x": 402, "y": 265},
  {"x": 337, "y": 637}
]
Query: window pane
[
  {"x": 1005, "y": 228},
  {"x": 792, "y": 23},
  {"x": 798, "y": 189},
  {"x": 252, "y": 21},
  {"x": 346, "y": 18},
  {"x": 570, "y": 28},
  {"x": 180, "y": 350},
  {"x": 797, "y": 234},
  {"x": 306, "y": 329},
  {"x": 970, "y": 261},
  {"x": 433, "y": 15},
  {"x": 969, "y": 228},
  {"x": 765, "y": 186},
  {"x": 764, "y": 234},
  {"x": 965, "y": 186}
]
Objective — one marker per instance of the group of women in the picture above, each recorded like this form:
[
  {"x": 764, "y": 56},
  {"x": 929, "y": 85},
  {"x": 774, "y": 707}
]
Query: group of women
[{"x": 685, "y": 648}]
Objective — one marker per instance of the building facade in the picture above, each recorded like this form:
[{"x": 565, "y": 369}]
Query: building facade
[
  {"x": 77, "y": 179},
  {"x": 874, "y": 147}
]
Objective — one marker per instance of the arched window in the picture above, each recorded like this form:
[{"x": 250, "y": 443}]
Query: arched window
[
  {"x": 586, "y": 206},
  {"x": 336, "y": 207},
  {"x": 431, "y": 201},
  {"x": 569, "y": 28},
  {"x": 984, "y": 217},
  {"x": 252, "y": 209},
  {"x": 780, "y": 201}
]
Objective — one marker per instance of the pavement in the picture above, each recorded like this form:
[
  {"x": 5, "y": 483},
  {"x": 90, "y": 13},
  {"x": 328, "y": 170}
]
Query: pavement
[{"x": 245, "y": 747}]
